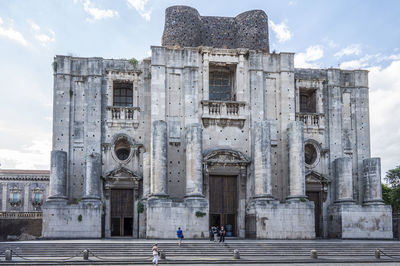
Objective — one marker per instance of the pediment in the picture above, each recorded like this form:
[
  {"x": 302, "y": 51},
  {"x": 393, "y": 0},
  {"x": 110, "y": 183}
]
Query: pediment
[
  {"x": 225, "y": 156},
  {"x": 122, "y": 172},
  {"x": 315, "y": 177}
]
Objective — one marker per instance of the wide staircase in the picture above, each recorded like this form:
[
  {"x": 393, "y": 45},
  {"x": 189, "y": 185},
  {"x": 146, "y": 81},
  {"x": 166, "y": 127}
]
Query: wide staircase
[{"x": 199, "y": 252}]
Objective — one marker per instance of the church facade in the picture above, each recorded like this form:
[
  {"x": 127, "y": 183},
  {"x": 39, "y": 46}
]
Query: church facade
[{"x": 212, "y": 130}]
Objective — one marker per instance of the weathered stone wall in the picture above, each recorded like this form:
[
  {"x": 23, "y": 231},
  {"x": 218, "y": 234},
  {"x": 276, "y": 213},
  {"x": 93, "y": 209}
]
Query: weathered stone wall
[
  {"x": 61, "y": 220},
  {"x": 164, "y": 216},
  {"x": 349, "y": 221},
  {"x": 185, "y": 27},
  {"x": 292, "y": 220}
]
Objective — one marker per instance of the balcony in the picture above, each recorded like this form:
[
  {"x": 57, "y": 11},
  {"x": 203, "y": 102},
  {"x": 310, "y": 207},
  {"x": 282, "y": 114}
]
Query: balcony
[
  {"x": 313, "y": 122},
  {"x": 122, "y": 116},
  {"x": 223, "y": 113}
]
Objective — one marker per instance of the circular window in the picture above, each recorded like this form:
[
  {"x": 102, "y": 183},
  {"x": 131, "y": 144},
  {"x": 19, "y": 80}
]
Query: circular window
[
  {"x": 310, "y": 154},
  {"x": 122, "y": 149}
]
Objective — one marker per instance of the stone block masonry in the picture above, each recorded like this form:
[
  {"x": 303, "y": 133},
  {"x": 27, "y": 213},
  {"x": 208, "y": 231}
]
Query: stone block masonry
[
  {"x": 211, "y": 130},
  {"x": 185, "y": 27}
]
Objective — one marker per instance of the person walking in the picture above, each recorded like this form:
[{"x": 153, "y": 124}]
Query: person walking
[
  {"x": 155, "y": 254},
  {"x": 222, "y": 234},
  {"x": 179, "y": 234}
]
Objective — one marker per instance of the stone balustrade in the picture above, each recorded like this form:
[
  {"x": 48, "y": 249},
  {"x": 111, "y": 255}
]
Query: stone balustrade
[
  {"x": 223, "y": 113},
  {"x": 118, "y": 115},
  {"x": 21, "y": 215},
  {"x": 312, "y": 121}
]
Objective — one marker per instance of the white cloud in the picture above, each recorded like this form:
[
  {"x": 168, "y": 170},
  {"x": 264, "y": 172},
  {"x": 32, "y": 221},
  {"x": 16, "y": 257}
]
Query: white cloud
[
  {"x": 97, "y": 13},
  {"x": 384, "y": 97},
  {"x": 44, "y": 39},
  {"x": 139, "y": 5},
  {"x": 33, "y": 25},
  {"x": 10, "y": 33},
  {"x": 307, "y": 59},
  {"x": 281, "y": 30},
  {"x": 354, "y": 49},
  {"x": 363, "y": 62},
  {"x": 35, "y": 155}
]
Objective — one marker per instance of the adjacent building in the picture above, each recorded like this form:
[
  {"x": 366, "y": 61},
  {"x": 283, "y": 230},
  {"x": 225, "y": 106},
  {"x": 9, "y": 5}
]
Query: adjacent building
[{"x": 22, "y": 194}]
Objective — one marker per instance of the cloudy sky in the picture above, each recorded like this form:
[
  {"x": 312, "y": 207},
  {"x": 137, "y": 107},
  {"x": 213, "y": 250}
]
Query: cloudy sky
[{"x": 347, "y": 34}]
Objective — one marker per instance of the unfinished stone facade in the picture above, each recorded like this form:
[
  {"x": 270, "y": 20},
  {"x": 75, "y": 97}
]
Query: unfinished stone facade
[{"x": 212, "y": 130}]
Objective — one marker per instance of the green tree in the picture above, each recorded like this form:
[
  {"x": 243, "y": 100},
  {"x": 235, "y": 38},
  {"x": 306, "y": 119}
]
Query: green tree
[
  {"x": 386, "y": 194},
  {"x": 393, "y": 177},
  {"x": 391, "y": 192}
]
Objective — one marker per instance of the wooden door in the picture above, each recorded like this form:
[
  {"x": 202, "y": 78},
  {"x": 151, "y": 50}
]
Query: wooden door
[
  {"x": 316, "y": 198},
  {"x": 121, "y": 212},
  {"x": 223, "y": 202}
]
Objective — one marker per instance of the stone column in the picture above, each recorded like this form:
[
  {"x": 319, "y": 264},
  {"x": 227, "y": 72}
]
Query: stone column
[
  {"x": 206, "y": 71},
  {"x": 344, "y": 180},
  {"x": 146, "y": 174},
  {"x": 159, "y": 159},
  {"x": 194, "y": 161},
  {"x": 262, "y": 160},
  {"x": 91, "y": 187},
  {"x": 26, "y": 197},
  {"x": 58, "y": 175},
  {"x": 372, "y": 181},
  {"x": 4, "y": 197},
  {"x": 296, "y": 160}
]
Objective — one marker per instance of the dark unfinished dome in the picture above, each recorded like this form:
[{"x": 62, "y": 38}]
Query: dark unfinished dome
[{"x": 185, "y": 27}]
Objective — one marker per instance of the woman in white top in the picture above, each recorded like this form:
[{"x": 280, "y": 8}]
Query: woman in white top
[{"x": 155, "y": 254}]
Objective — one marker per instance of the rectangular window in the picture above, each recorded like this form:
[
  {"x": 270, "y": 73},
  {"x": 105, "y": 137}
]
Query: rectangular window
[
  {"x": 37, "y": 197},
  {"x": 221, "y": 84},
  {"x": 308, "y": 101},
  {"x": 15, "y": 197},
  {"x": 123, "y": 94}
]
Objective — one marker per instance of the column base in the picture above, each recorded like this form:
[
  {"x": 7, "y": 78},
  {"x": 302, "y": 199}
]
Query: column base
[
  {"x": 263, "y": 197},
  {"x": 344, "y": 201},
  {"x": 91, "y": 198},
  {"x": 57, "y": 198},
  {"x": 296, "y": 198},
  {"x": 194, "y": 195},
  {"x": 159, "y": 195},
  {"x": 374, "y": 202}
]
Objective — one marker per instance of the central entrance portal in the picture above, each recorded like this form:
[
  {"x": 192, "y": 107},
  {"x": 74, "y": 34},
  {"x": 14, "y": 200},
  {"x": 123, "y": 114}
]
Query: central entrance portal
[
  {"x": 121, "y": 212},
  {"x": 223, "y": 203}
]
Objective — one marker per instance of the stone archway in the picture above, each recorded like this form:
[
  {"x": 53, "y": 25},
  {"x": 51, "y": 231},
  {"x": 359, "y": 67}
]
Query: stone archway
[
  {"x": 316, "y": 191},
  {"x": 227, "y": 169},
  {"x": 121, "y": 192}
]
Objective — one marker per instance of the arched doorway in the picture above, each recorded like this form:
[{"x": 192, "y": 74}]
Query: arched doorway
[{"x": 225, "y": 179}]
